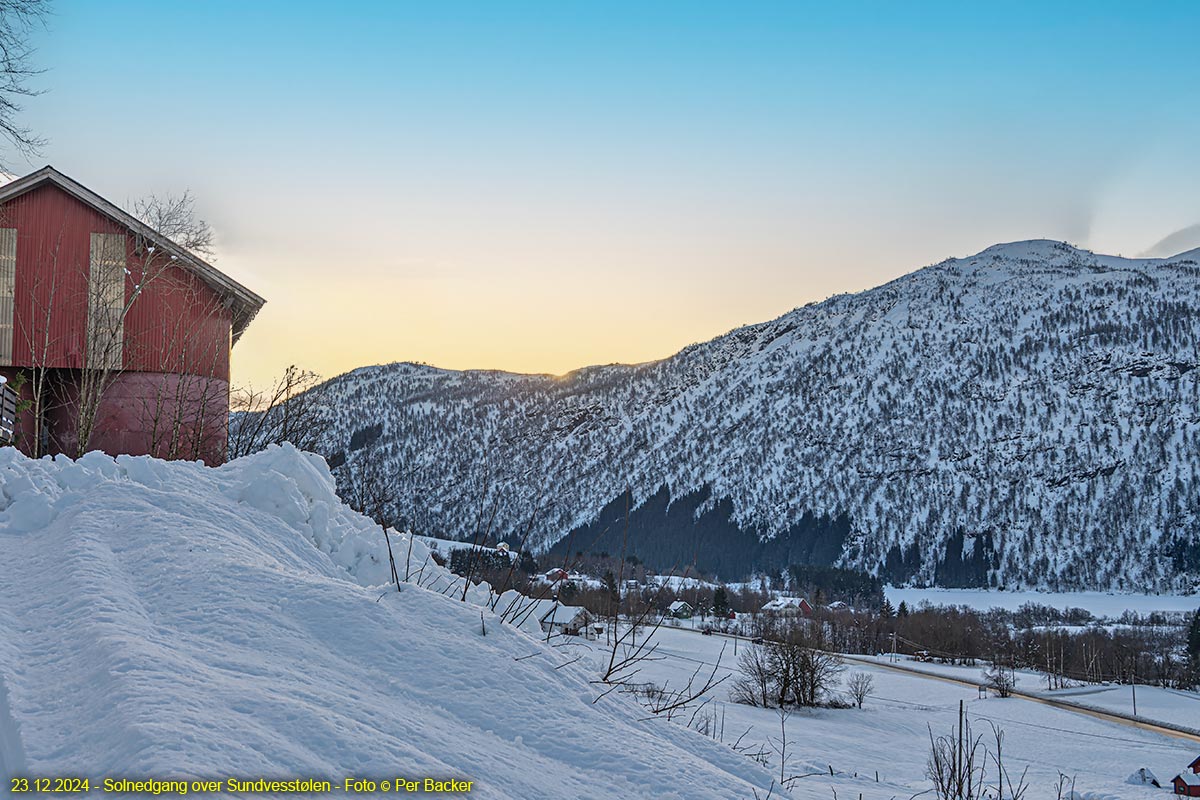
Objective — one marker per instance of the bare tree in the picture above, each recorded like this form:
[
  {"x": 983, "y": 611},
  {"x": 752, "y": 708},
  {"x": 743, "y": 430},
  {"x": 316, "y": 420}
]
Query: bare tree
[
  {"x": 1005, "y": 786},
  {"x": 173, "y": 217},
  {"x": 786, "y": 673},
  {"x": 38, "y": 335},
  {"x": 821, "y": 672},
  {"x": 670, "y": 701},
  {"x": 780, "y": 745},
  {"x": 367, "y": 484},
  {"x": 110, "y": 300},
  {"x": 859, "y": 686},
  {"x": 957, "y": 762},
  {"x": 958, "y": 765},
  {"x": 754, "y": 687},
  {"x": 291, "y": 410},
  {"x": 17, "y": 20},
  {"x": 186, "y": 415}
]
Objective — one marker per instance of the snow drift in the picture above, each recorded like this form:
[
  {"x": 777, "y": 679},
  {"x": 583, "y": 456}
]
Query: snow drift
[{"x": 170, "y": 620}]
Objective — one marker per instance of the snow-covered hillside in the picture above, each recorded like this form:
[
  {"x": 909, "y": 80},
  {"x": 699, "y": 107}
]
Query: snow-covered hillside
[
  {"x": 1029, "y": 416},
  {"x": 880, "y": 752},
  {"x": 167, "y": 620}
]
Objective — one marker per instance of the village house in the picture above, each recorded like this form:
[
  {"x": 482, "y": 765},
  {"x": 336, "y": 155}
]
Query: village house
[
  {"x": 564, "y": 620},
  {"x": 118, "y": 338},
  {"x": 680, "y": 609},
  {"x": 555, "y": 618},
  {"x": 788, "y": 607},
  {"x": 1187, "y": 783}
]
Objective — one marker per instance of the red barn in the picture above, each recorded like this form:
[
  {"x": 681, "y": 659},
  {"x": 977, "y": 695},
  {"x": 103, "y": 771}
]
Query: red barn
[
  {"x": 119, "y": 338},
  {"x": 1188, "y": 783}
]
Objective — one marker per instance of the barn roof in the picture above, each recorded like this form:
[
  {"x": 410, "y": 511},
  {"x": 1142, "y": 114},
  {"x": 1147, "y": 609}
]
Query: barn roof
[
  {"x": 1188, "y": 778},
  {"x": 781, "y": 603},
  {"x": 245, "y": 303},
  {"x": 551, "y": 612}
]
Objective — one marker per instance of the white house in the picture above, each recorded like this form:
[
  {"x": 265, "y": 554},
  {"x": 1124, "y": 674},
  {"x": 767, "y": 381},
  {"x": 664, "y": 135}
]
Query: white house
[
  {"x": 554, "y": 617},
  {"x": 680, "y": 609}
]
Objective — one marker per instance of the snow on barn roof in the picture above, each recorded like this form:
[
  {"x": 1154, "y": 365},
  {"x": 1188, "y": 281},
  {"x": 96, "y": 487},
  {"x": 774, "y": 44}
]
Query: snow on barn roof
[
  {"x": 1188, "y": 778},
  {"x": 781, "y": 603},
  {"x": 549, "y": 611},
  {"x": 562, "y": 615},
  {"x": 246, "y": 304}
]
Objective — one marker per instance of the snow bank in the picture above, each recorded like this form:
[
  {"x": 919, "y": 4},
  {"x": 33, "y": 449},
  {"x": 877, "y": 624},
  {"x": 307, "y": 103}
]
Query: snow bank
[{"x": 171, "y": 620}]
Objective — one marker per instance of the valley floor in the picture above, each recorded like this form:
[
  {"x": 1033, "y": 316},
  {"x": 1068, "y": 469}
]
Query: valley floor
[
  {"x": 881, "y": 750},
  {"x": 169, "y": 620},
  {"x": 1101, "y": 604}
]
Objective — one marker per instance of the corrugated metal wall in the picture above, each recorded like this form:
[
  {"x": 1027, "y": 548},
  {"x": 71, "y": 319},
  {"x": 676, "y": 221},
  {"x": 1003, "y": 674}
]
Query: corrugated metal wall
[{"x": 177, "y": 324}]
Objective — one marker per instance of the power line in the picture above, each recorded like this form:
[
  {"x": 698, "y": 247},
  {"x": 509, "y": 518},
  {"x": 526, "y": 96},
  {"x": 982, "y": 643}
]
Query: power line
[{"x": 1142, "y": 742}]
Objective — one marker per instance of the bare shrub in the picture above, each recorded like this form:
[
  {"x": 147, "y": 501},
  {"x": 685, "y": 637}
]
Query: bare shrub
[
  {"x": 291, "y": 410},
  {"x": 1000, "y": 679}
]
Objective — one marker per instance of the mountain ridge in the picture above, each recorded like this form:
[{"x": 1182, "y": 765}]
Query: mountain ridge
[
  {"x": 1006, "y": 248},
  {"x": 1040, "y": 394}
]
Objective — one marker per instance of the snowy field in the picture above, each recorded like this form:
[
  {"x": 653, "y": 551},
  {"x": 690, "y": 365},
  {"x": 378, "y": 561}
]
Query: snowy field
[
  {"x": 167, "y": 620},
  {"x": 890, "y": 735},
  {"x": 1101, "y": 604},
  {"x": 1172, "y": 706},
  {"x": 1155, "y": 704}
]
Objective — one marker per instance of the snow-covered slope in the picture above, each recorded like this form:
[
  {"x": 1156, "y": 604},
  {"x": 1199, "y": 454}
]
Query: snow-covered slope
[
  {"x": 169, "y": 620},
  {"x": 1026, "y": 416}
]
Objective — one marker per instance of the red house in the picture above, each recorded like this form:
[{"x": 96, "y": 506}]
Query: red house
[
  {"x": 1187, "y": 783},
  {"x": 788, "y": 607},
  {"x": 118, "y": 337}
]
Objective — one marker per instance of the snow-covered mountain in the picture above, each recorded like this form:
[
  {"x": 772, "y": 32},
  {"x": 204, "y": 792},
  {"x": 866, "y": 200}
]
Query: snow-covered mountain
[{"x": 1026, "y": 416}]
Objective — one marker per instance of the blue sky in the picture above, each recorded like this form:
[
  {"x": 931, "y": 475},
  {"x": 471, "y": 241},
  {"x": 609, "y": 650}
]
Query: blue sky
[{"x": 539, "y": 186}]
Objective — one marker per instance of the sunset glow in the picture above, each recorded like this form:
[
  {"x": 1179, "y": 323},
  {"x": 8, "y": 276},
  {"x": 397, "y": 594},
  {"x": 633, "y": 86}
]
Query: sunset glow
[{"x": 541, "y": 186}]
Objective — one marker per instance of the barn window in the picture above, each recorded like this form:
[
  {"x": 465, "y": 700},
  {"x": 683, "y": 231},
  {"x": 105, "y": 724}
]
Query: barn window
[
  {"x": 8, "y": 281},
  {"x": 106, "y": 301}
]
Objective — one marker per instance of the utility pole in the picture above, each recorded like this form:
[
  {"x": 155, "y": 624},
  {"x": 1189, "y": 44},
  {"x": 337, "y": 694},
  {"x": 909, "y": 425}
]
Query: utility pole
[
  {"x": 1133, "y": 685},
  {"x": 894, "y": 647}
]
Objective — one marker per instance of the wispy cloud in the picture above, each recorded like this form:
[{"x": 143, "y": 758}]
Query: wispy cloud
[{"x": 1180, "y": 241}]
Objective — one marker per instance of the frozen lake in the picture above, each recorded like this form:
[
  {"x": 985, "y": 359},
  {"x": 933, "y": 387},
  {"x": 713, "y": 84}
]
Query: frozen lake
[{"x": 1101, "y": 604}]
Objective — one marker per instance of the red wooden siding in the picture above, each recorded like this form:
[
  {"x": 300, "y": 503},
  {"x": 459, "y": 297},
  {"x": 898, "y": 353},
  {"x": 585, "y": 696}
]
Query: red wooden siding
[
  {"x": 178, "y": 324},
  {"x": 53, "y": 250},
  {"x": 172, "y": 397}
]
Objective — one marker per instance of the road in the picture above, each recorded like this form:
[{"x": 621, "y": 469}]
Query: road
[{"x": 1110, "y": 716}]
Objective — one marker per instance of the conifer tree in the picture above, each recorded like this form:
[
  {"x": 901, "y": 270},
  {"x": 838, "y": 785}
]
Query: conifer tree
[{"x": 721, "y": 602}]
